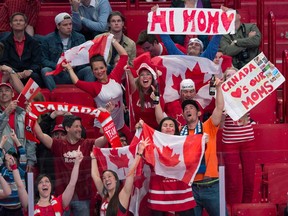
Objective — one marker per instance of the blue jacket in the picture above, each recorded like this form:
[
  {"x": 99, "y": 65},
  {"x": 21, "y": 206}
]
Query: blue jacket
[
  {"x": 52, "y": 47},
  {"x": 209, "y": 52}
]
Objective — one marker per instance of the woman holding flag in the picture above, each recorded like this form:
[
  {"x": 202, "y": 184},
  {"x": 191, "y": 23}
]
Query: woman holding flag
[
  {"x": 115, "y": 201},
  {"x": 107, "y": 88}
]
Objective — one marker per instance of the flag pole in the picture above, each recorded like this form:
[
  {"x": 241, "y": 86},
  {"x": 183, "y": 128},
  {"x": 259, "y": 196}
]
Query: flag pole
[{"x": 30, "y": 193}]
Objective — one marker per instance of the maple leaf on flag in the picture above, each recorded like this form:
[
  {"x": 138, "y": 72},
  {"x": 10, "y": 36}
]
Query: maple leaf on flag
[
  {"x": 138, "y": 181},
  {"x": 167, "y": 158},
  {"x": 176, "y": 82},
  {"x": 120, "y": 161},
  {"x": 31, "y": 90}
]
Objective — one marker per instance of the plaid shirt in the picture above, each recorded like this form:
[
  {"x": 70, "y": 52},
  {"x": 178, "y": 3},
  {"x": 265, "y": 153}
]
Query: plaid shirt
[{"x": 30, "y": 8}]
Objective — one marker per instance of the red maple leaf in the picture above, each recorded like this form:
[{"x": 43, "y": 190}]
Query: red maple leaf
[
  {"x": 167, "y": 158},
  {"x": 196, "y": 75},
  {"x": 31, "y": 90},
  {"x": 176, "y": 82},
  {"x": 120, "y": 161},
  {"x": 138, "y": 181}
]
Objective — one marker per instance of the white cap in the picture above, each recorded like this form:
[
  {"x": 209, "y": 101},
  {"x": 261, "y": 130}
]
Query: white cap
[
  {"x": 146, "y": 66},
  {"x": 196, "y": 40},
  {"x": 62, "y": 16},
  {"x": 187, "y": 84}
]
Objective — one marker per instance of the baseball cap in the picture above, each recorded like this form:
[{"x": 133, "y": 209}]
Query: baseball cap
[
  {"x": 196, "y": 40},
  {"x": 6, "y": 84},
  {"x": 58, "y": 127},
  {"x": 150, "y": 69},
  {"x": 187, "y": 84},
  {"x": 62, "y": 16},
  {"x": 192, "y": 102}
]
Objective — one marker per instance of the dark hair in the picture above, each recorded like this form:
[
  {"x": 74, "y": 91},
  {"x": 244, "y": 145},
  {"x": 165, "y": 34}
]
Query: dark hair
[
  {"x": 177, "y": 132},
  {"x": 2, "y": 47},
  {"x": 97, "y": 58},
  {"x": 68, "y": 120},
  {"x": 112, "y": 207},
  {"x": 144, "y": 37},
  {"x": 192, "y": 102},
  {"x": 141, "y": 92},
  {"x": 121, "y": 134},
  {"x": 36, "y": 192},
  {"x": 115, "y": 13},
  {"x": 16, "y": 14}
]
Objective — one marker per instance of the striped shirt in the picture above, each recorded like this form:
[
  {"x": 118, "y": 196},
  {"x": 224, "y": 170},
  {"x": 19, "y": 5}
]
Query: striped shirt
[{"x": 236, "y": 132}]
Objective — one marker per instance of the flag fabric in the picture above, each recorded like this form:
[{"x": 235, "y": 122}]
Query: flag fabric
[
  {"x": 29, "y": 91},
  {"x": 178, "y": 67},
  {"x": 177, "y": 157},
  {"x": 30, "y": 121},
  {"x": 80, "y": 55}
]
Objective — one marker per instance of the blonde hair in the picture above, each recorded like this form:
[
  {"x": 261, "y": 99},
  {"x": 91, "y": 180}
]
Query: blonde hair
[{"x": 225, "y": 73}]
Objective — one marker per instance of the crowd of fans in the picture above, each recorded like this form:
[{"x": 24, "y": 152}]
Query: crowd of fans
[{"x": 63, "y": 157}]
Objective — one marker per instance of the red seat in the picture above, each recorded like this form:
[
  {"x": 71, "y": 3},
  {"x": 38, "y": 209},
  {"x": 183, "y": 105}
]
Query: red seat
[
  {"x": 276, "y": 180},
  {"x": 253, "y": 209}
]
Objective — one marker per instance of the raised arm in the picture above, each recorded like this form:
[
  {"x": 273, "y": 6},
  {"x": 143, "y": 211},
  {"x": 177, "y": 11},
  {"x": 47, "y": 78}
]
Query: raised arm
[
  {"x": 71, "y": 72},
  {"x": 96, "y": 175},
  {"x": 69, "y": 191},
  {"x": 6, "y": 190},
  {"x": 43, "y": 138},
  {"x": 131, "y": 80},
  {"x": 118, "y": 47},
  {"x": 219, "y": 104},
  {"x": 126, "y": 191}
]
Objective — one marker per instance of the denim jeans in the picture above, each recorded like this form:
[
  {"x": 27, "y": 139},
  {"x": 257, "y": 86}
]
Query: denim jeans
[
  {"x": 64, "y": 77},
  {"x": 79, "y": 208},
  {"x": 208, "y": 198}
]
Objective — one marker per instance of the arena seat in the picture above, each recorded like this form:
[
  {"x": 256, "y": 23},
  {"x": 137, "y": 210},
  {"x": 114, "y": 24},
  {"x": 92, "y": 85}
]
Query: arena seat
[{"x": 252, "y": 209}]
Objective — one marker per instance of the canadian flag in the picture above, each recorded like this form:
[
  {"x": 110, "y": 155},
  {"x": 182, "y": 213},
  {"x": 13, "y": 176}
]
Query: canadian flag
[
  {"x": 29, "y": 91},
  {"x": 81, "y": 54},
  {"x": 177, "y": 157}
]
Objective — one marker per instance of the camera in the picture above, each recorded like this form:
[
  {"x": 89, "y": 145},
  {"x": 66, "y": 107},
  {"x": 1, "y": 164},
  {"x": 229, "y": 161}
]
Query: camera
[{"x": 243, "y": 55}]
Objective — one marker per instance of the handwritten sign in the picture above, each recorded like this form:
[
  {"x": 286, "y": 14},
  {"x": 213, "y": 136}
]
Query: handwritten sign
[
  {"x": 191, "y": 21},
  {"x": 250, "y": 85}
]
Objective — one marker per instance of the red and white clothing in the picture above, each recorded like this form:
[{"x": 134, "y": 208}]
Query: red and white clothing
[
  {"x": 121, "y": 210},
  {"x": 166, "y": 194},
  {"x": 64, "y": 157},
  {"x": 55, "y": 209},
  {"x": 235, "y": 132},
  {"x": 110, "y": 91},
  {"x": 148, "y": 113},
  {"x": 164, "y": 51}
]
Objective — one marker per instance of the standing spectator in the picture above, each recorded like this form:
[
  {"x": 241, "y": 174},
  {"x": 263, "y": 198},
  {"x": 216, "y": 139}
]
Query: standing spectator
[
  {"x": 64, "y": 156},
  {"x": 116, "y": 22},
  {"x": 166, "y": 194},
  {"x": 22, "y": 53},
  {"x": 242, "y": 46},
  {"x": 12, "y": 117},
  {"x": 107, "y": 88},
  {"x": 90, "y": 16},
  {"x": 57, "y": 42},
  {"x": 30, "y": 8},
  {"x": 11, "y": 205},
  {"x": 239, "y": 157},
  {"x": 206, "y": 183},
  {"x": 150, "y": 43}
]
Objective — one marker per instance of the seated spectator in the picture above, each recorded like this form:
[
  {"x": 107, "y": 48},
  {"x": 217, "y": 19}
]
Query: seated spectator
[
  {"x": 11, "y": 204},
  {"x": 30, "y": 8},
  {"x": 54, "y": 44},
  {"x": 90, "y": 16},
  {"x": 22, "y": 53},
  {"x": 116, "y": 22},
  {"x": 150, "y": 43},
  {"x": 12, "y": 117},
  {"x": 58, "y": 132}
]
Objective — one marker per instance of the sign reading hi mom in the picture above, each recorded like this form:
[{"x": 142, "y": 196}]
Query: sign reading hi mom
[
  {"x": 250, "y": 85},
  {"x": 191, "y": 21}
]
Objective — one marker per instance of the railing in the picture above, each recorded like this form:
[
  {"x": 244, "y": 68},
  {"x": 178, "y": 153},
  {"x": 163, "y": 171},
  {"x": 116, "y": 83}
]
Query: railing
[
  {"x": 260, "y": 20},
  {"x": 285, "y": 85},
  {"x": 271, "y": 37}
]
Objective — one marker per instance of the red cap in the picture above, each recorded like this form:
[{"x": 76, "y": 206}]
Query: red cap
[
  {"x": 6, "y": 84},
  {"x": 58, "y": 127}
]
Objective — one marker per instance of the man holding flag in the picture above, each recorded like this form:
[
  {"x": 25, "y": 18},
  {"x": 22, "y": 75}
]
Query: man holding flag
[
  {"x": 12, "y": 117},
  {"x": 206, "y": 183}
]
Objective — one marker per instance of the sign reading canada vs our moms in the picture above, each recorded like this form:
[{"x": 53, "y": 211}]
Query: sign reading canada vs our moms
[
  {"x": 250, "y": 85},
  {"x": 191, "y": 21}
]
